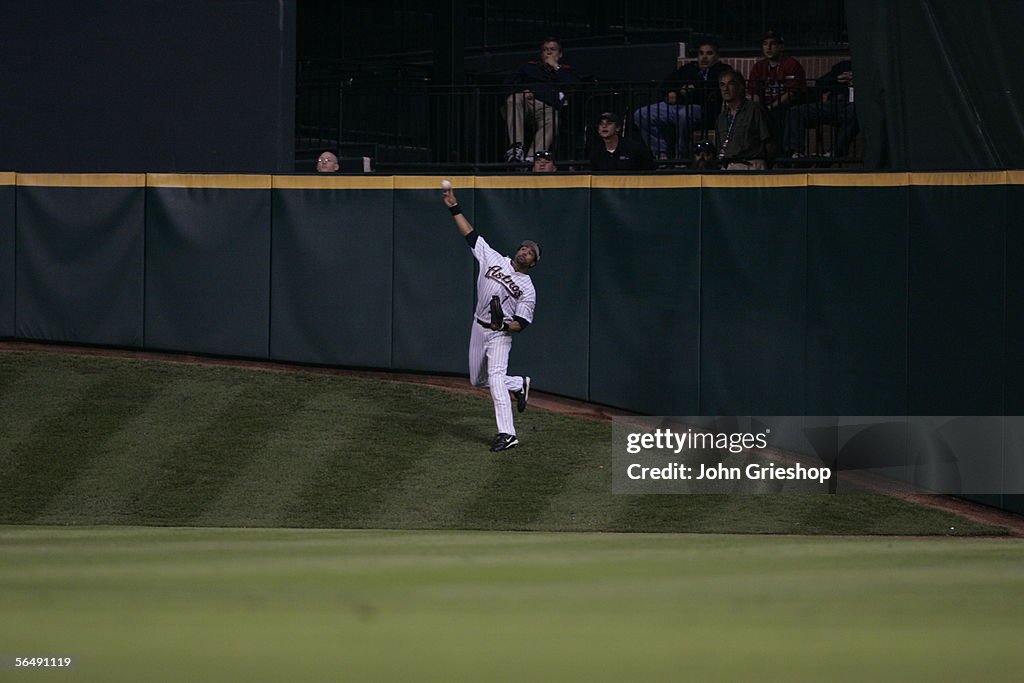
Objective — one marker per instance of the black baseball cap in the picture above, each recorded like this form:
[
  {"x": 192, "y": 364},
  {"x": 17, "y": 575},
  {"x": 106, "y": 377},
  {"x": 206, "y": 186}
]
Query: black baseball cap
[
  {"x": 774, "y": 35},
  {"x": 532, "y": 246},
  {"x": 611, "y": 117}
]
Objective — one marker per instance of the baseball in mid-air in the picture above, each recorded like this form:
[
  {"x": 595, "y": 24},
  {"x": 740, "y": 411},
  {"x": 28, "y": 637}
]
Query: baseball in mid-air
[{"x": 446, "y": 184}]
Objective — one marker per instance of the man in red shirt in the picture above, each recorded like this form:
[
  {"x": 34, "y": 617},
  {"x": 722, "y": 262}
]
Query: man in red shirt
[{"x": 777, "y": 82}]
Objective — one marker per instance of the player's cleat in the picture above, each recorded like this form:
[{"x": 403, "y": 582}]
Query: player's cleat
[
  {"x": 503, "y": 442},
  {"x": 522, "y": 396}
]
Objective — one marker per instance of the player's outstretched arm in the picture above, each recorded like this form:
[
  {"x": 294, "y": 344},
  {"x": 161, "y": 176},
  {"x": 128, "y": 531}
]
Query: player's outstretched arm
[{"x": 461, "y": 222}]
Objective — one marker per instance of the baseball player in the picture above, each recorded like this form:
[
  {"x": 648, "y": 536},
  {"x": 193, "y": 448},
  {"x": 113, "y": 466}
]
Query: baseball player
[{"x": 505, "y": 299}]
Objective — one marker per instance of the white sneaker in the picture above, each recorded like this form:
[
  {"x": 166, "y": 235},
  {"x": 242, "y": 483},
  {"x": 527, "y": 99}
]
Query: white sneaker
[{"x": 515, "y": 153}]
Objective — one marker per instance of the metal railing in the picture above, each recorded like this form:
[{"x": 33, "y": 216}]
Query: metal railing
[
  {"x": 415, "y": 126},
  {"x": 364, "y": 29}
]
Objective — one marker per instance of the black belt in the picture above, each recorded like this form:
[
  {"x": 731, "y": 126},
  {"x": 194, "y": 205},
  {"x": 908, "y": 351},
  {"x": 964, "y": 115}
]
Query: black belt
[{"x": 487, "y": 326}]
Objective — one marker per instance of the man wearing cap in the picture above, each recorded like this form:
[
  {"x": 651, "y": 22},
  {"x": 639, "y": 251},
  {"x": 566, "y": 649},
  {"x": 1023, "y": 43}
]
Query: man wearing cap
[
  {"x": 544, "y": 162},
  {"x": 778, "y": 79},
  {"x": 506, "y": 280},
  {"x": 777, "y": 82},
  {"x": 612, "y": 152}
]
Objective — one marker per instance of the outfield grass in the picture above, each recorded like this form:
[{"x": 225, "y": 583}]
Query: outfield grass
[
  {"x": 139, "y": 603},
  {"x": 86, "y": 440}
]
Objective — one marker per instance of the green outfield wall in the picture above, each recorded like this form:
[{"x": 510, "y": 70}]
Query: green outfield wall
[{"x": 781, "y": 294}]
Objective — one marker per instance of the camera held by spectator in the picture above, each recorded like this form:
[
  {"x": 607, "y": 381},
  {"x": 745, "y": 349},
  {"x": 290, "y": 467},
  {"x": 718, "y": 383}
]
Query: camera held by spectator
[{"x": 704, "y": 156}]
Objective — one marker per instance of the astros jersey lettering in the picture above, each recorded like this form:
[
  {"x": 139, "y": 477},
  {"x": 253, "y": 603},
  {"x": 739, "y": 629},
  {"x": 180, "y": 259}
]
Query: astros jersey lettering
[{"x": 499, "y": 278}]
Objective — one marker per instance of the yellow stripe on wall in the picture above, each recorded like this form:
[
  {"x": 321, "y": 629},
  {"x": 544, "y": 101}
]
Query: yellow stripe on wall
[
  {"x": 7, "y": 178},
  {"x": 530, "y": 181},
  {"x": 858, "y": 179},
  {"x": 959, "y": 178},
  {"x": 333, "y": 182},
  {"x": 755, "y": 180},
  {"x": 433, "y": 182},
  {"x": 1015, "y": 177},
  {"x": 644, "y": 182},
  {"x": 226, "y": 182},
  {"x": 81, "y": 179}
]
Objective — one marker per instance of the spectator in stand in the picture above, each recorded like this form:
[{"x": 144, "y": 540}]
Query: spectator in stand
[
  {"x": 777, "y": 82},
  {"x": 612, "y": 152},
  {"x": 742, "y": 133},
  {"x": 836, "y": 108},
  {"x": 539, "y": 95},
  {"x": 327, "y": 162},
  {"x": 689, "y": 98},
  {"x": 704, "y": 157},
  {"x": 544, "y": 162}
]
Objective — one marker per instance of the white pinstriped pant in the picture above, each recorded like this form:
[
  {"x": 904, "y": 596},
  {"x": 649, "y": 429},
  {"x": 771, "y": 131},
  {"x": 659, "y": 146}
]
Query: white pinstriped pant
[{"x": 488, "y": 365}]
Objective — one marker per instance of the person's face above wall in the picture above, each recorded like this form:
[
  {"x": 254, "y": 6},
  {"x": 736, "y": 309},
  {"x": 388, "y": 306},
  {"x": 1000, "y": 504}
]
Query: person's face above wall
[
  {"x": 772, "y": 48},
  {"x": 707, "y": 56}
]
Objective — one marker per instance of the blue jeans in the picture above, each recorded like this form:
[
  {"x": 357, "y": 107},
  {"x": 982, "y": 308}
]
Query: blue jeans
[{"x": 656, "y": 119}]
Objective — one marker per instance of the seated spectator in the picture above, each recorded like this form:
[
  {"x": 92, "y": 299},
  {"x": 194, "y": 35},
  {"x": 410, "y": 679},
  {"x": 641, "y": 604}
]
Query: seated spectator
[
  {"x": 327, "y": 162},
  {"x": 544, "y": 162},
  {"x": 704, "y": 157},
  {"x": 612, "y": 152},
  {"x": 777, "y": 82},
  {"x": 836, "y": 108},
  {"x": 689, "y": 98},
  {"x": 537, "y": 98},
  {"x": 742, "y": 133}
]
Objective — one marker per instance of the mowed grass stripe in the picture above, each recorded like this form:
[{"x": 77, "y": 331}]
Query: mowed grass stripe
[
  {"x": 119, "y": 483},
  {"x": 25, "y": 400},
  {"x": 582, "y": 505},
  {"x": 383, "y": 433},
  {"x": 262, "y": 492},
  {"x": 214, "y": 455},
  {"x": 60, "y": 447},
  {"x": 523, "y": 486},
  {"x": 433, "y": 491},
  {"x": 148, "y": 442},
  {"x": 454, "y": 479}
]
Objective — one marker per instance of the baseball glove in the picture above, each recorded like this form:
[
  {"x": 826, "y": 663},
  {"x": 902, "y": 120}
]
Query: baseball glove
[{"x": 497, "y": 315}]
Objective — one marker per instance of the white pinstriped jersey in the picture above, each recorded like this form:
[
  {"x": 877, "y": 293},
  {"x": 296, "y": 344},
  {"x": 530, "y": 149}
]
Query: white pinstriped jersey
[{"x": 499, "y": 277}]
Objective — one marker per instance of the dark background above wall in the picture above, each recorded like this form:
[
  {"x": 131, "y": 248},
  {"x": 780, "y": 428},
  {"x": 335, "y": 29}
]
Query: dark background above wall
[{"x": 161, "y": 85}]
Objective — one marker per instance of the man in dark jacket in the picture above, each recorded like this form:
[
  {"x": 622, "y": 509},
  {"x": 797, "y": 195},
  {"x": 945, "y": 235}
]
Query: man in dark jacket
[
  {"x": 690, "y": 98},
  {"x": 836, "y": 107},
  {"x": 612, "y": 152},
  {"x": 539, "y": 94}
]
